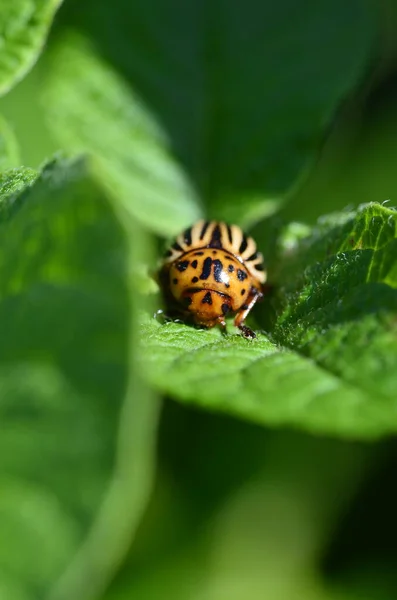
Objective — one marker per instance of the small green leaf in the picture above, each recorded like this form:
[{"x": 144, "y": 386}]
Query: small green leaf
[
  {"x": 9, "y": 151},
  {"x": 24, "y": 26},
  {"x": 93, "y": 109},
  {"x": 243, "y": 93},
  {"x": 71, "y": 474},
  {"x": 330, "y": 363}
]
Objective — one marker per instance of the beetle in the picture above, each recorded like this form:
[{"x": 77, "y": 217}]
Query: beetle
[{"x": 211, "y": 270}]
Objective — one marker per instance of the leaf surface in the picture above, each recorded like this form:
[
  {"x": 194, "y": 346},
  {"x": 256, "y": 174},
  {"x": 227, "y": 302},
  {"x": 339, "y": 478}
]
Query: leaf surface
[
  {"x": 133, "y": 159},
  {"x": 208, "y": 105},
  {"x": 65, "y": 379},
  {"x": 24, "y": 26}
]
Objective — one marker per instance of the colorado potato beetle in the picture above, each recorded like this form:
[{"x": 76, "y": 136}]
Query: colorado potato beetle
[{"x": 210, "y": 271}]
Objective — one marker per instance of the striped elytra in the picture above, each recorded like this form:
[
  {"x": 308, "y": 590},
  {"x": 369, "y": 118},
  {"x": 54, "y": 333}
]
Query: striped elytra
[{"x": 212, "y": 270}]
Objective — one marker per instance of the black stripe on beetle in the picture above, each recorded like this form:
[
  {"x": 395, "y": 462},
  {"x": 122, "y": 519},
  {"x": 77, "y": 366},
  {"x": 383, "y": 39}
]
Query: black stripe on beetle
[
  {"x": 253, "y": 256},
  {"x": 177, "y": 247},
  {"x": 215, "y": 241},
  {"x": 243, "y": 245},
  {"x": 182, "y": 266},
  {"x": 207, "y": 299},
  {"x": 187, "y": 236},
  {"x": 204, "y": 229},
  {"x": 218, "y": 268},
  {"x": 206, "y": 272},
  {"x": 241, "y": 275},
  {"x": 258, "y": 267},
  {"x": 229, "y": 234}
]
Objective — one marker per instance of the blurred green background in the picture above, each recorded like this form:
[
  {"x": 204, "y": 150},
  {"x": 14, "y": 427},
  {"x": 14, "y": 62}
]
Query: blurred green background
[{"x": 239, "y": 511}]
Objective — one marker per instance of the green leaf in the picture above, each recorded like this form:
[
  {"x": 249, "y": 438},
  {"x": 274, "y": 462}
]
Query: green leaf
[
  {"x": 243, "y": 93},
  {"x": 76, "y": 440},
  {"x": 24, "y": 26},
  {"x": 341, "y": 310},
  {"x": 9, "y": 151},
  {"x": 133, "y": 158},
  {"x": 330, "y": 363}
]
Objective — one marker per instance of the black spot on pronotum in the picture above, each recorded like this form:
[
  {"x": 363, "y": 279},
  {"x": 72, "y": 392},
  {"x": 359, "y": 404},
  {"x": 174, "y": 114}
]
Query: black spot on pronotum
[
  {"x": 187, "y": 236},
  {"x": 215, "y": 241},
  {"x": 227, "y": 285},
  {"x": 194, "y": 279},
  {"x": 218, "y": 268},
  {"x": 175, "y": 281},
  {"x": 187, "y": 301},
  {"x": 177, "y": 247},
  {"x": 182, "y": 266},
  {"x": 194, "y": 264},
  {"x": 230, "y": 268},
  {"x": 241, "y": 275},
  {"x": 207, "y": 299},
  {"x": 242, "y": 292},
  {"x": 206, "y": 272},
  {"x": 204, "y": 229},
  {"x": 225, "y": 308},
  {"x": 243, "y": 245},
  {"x": 214, "y": 252}
]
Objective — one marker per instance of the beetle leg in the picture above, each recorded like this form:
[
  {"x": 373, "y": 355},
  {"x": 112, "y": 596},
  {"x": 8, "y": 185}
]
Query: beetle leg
[{"x": 242, "y": 314}]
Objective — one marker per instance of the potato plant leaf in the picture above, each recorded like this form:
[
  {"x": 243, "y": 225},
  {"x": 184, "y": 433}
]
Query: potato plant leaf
[
  {"x": 65, "y": 378},
  {"x": 330, "y": 363},
  {"x": 101, "y": 114},
  {"x": 24, "y": 26},
  {"x": 210, "y": 102}
]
